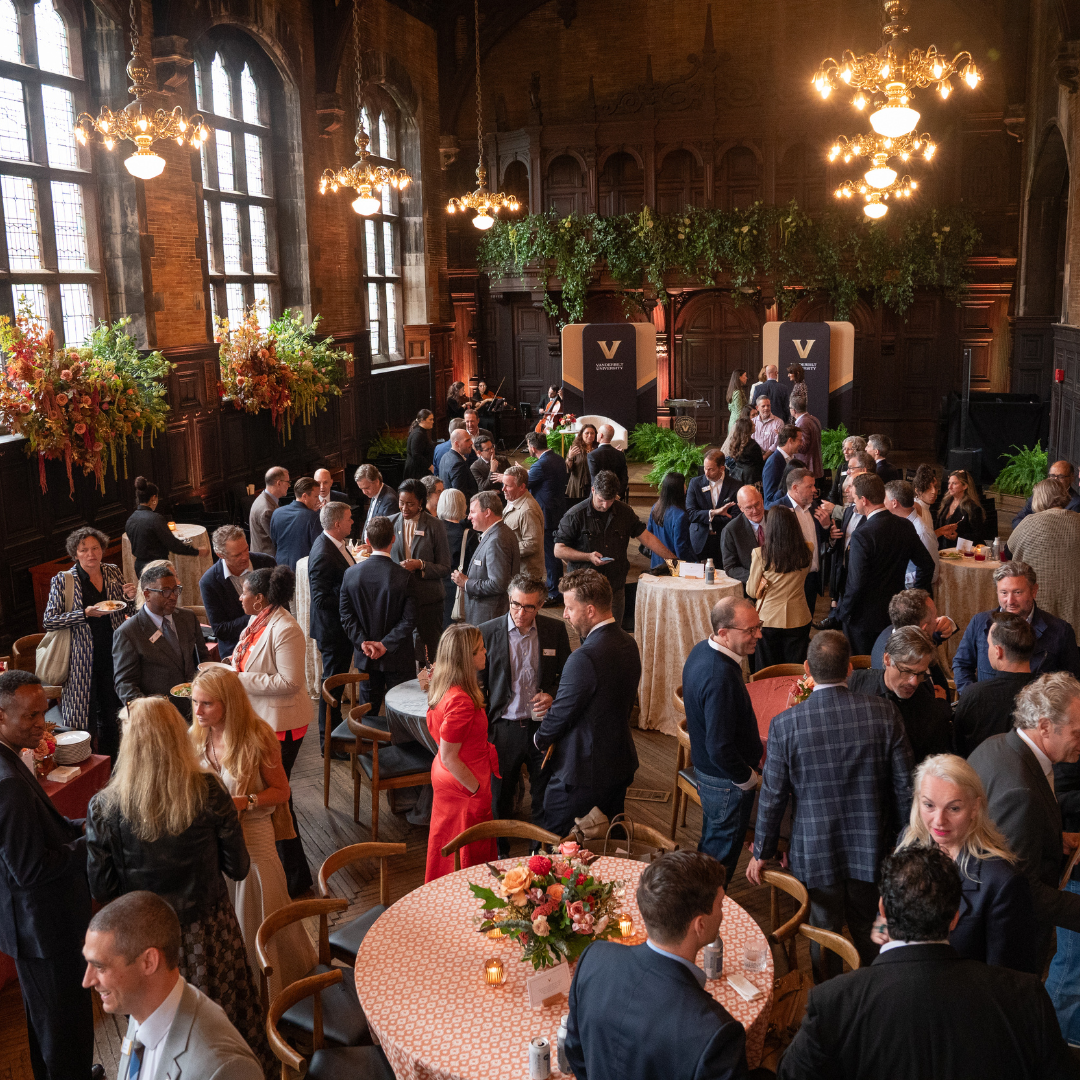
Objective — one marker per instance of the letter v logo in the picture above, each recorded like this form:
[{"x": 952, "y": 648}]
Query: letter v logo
[
  {"x": 803, "y": 347},
  {"x": 610, "y": 348}
]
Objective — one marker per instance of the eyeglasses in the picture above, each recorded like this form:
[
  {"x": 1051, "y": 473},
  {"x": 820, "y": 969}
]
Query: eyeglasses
[
  {"x": 167, "y": 593},
  {"x": 907, "y": 672},
  {"x": 746, "y": 629},
  {"x": 515, "y": 606}
]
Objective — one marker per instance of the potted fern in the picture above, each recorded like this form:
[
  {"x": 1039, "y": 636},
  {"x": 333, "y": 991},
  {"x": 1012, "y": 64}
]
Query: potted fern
[{"x": 1023, "y": 470}]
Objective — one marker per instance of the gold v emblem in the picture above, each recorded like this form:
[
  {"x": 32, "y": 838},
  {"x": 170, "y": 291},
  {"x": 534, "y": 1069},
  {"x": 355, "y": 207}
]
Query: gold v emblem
[
  {"x": 803, "y": 347},
  {"x": 610, "y": 348}
]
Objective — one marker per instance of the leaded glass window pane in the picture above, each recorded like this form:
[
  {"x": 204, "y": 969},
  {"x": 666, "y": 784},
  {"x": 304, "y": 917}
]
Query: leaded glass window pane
[
  {"x": 34, "y": 296},
  {"x": 384, "y": 137},
  {"x": 59, "y": 107},
  {"x": 262, "y": 312},
  {"x": 373, "y": 316},
  {"x": 369, "y": 245},
  {"x": 21, "y": 223},
  {"x": 387, "y": 200},
  {"x": 230, "y": 238},
  {"x": 254, "y": 155},
  {"x": 226, "y": 180},
  {"x": 70, "y": 225},
  {"x": 259, "y": 250},
  {"x": 10, "y": 42},
  {"x": 211, "y": 265},
  {"x": 78, "y": 313},
  {"x": 14, "y": 143},
  {"x": 52, "y": 39},
  {"x": 234, "y": 301},
  {"x": 198, "y": 86},
  {"x": 391, "y": 319},
  {"x": 372, "y": 133},
  {"x": 219, "y": 78},
  {"x": 250, "y": 92},
  {"x": 388, "y": 248}
]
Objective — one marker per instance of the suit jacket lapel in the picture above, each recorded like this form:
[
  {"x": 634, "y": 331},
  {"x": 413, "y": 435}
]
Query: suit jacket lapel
[
  {"x": 31, "y": 783},
  {"x": 1037, "y": 775},
  {"x": 176, "y": 1042}
]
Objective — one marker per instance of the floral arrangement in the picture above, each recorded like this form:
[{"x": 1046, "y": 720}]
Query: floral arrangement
[
  {"x": 319, "y": 368},
  {"x": 552, "y": 905},
  {"x": 79, "y": 405},
  {"x": 804, "y": 687},
  {"x": 45, "y": 749}
]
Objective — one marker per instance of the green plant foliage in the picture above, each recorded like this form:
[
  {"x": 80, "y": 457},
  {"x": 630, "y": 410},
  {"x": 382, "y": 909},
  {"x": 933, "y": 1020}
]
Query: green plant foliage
[
  {"x": 685, "y": 458},
  {"x": 832, "y": 446},
  {"x": 386, "y": 445},
  {"x": 647, "y": 440},
  {"x": 835, "y": 254},
  {"x": 1023, "y": 470}
]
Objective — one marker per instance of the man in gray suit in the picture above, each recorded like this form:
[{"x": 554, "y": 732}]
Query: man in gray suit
[
  {"x": 161, "y": 646},
  {"x": 262, "y": 509},
  {"x": 132, "y": 953},
  {"x": 495, "y": 561}
]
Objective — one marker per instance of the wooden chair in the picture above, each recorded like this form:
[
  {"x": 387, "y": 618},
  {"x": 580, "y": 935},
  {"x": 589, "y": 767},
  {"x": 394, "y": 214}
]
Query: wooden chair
[
  {"x": 776, "y": 671},
  {"x": 338, "y": 1016},
  {"x": 686, "y": 787},
  {"x": 861, "y": 663},
  {"x": 341, "y": 739},
  {"x": 345, "y": 939},
  {"x": 636, "y": 840},
  {"x": 356, "y": 1062},
  {"x": 785, "y": 935},
  {"x": 388, "y": 768},
  {"x": 493, "y": 830},
  {"x": 24, "y": 652}
]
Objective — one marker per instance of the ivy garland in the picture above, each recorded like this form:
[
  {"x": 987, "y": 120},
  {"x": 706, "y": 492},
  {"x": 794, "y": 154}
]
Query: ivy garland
[{"x": 833, "y": 253}]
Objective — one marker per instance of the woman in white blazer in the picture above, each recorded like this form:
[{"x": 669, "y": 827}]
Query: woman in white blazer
[{"x": 270, "y": 660}]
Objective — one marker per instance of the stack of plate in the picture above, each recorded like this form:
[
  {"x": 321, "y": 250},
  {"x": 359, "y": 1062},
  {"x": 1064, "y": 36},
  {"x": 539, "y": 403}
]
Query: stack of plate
[{"x": 72, "y": 747}]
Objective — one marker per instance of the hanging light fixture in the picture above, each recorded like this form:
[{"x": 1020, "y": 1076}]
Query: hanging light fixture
[
  {"x": 881, "y": 177},
  {"x": 888, "y": 78},
  {"x": 139, "y": 123},
  {"x": 485, "y": 203},
  {"x": 875, "y": 198},
  {"x": 363, "y": 177}
]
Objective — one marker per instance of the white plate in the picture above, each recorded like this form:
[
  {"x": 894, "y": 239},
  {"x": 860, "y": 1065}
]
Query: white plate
[
  {"x": 72, "y": 738},
  {"x": 206, "y": 665}
]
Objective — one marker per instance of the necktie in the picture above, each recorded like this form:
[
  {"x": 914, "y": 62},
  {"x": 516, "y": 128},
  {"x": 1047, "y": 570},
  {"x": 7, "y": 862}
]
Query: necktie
[
  {"x": 135, "y": 1059},
  {"x": 760, "y": 533},
  {"x": 168, "y": 632}
]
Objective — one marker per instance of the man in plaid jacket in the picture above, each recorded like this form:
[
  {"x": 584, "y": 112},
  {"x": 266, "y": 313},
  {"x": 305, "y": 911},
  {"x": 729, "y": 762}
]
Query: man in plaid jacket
[{"x": 846, "y": 762}]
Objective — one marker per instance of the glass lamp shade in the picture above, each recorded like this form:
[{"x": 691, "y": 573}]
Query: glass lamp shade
[
  {"x": 483, "y": 221},
  {"x": 145, "y": 164},
  {"x": 875, "y": 210},
  {"x": 366, "y": 204},
  {"x": 893, "y": 121},
  {"x": 880, "y": 177}
]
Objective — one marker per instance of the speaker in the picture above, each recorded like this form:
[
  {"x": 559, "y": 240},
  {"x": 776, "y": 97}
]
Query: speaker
[{"x": 968, "y": 458}]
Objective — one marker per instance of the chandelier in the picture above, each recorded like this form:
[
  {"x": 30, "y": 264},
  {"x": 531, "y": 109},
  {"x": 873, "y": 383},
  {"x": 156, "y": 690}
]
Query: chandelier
[
  {"x": 363, "y": 177},
  {"x": 876, "y": 196},
  {"x": 880, "y": 178},
  {"x": 140, "y": 124},
  {"x": 485, "y": 203},
  {"x": 888, "y": 78}
]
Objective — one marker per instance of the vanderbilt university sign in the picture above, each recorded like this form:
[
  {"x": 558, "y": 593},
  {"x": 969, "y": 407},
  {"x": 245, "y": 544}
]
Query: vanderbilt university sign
[{"x": 609, "y": 369}]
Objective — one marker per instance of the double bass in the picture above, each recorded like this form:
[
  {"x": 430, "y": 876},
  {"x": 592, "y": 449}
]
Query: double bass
[{"x": 553, "y": 406}]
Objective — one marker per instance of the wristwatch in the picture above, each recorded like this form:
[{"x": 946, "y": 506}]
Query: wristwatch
[{"x": 253, "y": 802}]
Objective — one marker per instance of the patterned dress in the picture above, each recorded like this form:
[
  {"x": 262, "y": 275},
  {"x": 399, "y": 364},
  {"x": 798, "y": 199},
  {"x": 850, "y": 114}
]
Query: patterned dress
[{"x": 75, "y": 703}]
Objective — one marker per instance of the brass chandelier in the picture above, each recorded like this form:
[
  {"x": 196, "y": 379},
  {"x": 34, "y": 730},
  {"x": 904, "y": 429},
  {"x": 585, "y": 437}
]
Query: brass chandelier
[
  {"x": 363, "y": 177},
  {"x": 880, "y": 180},
  {"x": 485, "y": 203},
  {"x": 140, "y": 124}
]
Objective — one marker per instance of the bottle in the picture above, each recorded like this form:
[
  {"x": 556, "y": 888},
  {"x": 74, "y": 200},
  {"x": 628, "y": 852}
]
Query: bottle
[
  {"x": 710, "y": 572},
  {"x": 714, "y": 959},
  {"x": 564, "y": 1063},
  {"x": 996, "y": 548}
]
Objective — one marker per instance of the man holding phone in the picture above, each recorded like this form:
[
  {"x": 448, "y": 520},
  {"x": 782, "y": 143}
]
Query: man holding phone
[{"x": 710, "y": 505}]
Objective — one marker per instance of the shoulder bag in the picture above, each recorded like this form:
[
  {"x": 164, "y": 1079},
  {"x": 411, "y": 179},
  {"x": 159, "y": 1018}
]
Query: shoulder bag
[
  {"x": 53, "y": 659},
  {"x": 458, "y": 614}
]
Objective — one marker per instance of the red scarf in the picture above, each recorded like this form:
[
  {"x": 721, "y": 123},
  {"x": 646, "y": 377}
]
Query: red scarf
[{"x": 250, "y": 635}]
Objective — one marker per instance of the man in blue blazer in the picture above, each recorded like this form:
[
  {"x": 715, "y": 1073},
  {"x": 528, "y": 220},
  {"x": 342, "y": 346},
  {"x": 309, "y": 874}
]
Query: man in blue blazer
[
  {"x": 711, "y": 502},
  {"x": 222, "y": 584},
  {"x": 589, "y": 723},
  {"x": 293, "y": 528},
  {"x": 643, "y": 1012},
  {"x": 547, "y": 485},
  {"x": 1055, "y": 639},
  {"x": 772, "y": 476},
  {"x": 44, "y": 893}
]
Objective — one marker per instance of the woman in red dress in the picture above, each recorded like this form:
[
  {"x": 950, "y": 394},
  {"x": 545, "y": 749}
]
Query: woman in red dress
[{"x": 461, "y": 771}]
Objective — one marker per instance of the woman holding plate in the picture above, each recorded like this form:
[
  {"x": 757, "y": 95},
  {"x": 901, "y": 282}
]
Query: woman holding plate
[{"x": 91, "y": 600}]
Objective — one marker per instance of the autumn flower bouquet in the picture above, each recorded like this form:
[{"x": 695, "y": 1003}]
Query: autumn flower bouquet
[
  {"x": 79, "y": 405},
  {"x": 803, "y": 688},
  {"x": 319, "y": 368},
  {"x": 551, "y": 904},
  {"x": 252, "y": 375},
  {"x": 45, "y": 749}
]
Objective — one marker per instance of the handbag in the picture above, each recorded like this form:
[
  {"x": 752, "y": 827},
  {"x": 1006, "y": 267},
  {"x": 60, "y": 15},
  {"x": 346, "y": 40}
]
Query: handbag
[
  {"x": 52, "y": 661},
  {"x": 628, "y": 847},
  {"x": 458, "y": 614},
  {"x": 282, "y": 821}
]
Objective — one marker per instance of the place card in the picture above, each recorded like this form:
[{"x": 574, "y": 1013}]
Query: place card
[
  {"x": 964, "y": 545},
  {"x": 63, "y": 774},
  {"x": 692, "y": 570},
  {"x": 547, "y": 985}
]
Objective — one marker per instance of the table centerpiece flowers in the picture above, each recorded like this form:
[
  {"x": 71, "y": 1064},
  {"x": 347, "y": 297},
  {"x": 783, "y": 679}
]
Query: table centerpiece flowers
[
  {"x": 553, "y": 905},
  {"x": 44, "y": 751}
]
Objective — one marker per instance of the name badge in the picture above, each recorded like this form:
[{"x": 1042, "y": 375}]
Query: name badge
[
  {"x": 476, "y": 562},
  {"x": 126, "y": 1046},
  {"x": 418, "y": 532},
  {"x": 549, "y": 652},
  {"x": 155, "y": 636}
]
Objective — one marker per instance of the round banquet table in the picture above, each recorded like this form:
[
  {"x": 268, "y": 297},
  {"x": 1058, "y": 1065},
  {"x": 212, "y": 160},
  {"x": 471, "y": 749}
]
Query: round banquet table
[
  {"x": 406, "y": 713},
  {"x": 965, "y": 587},
  {"x": 671, "y": 615},
  {"x": 419, "y": 979},
  {"x": 769, "y": 697}
]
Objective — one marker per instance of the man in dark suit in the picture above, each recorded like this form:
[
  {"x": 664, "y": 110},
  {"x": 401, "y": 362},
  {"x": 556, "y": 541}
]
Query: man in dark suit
[
  {"x": 777, "y": 393},
  {"x": 916, "y": 607},
  {"x": 881, "y": 548},
  {"x": 742, "y": 534},
  {"x": 986, "y": 708},
  {"x": 378, "y": 614},
  {"x": 262, "y": 509},
  {"x": 878, "y": 447},
  {"x": 615, "y": 1030},
  {"x": 444, "y": 447},
  {"x": 845, "y": 762},
  {"x": 293, "y": 527},
  {"x": 724, "y": 741},
  {"x": 920, "y": 1009},
  {"x": 801, "y": 489},
  {"x": 1060, "y": 470},
  {"x": 488, "y": 465},
  {"x": 777, "y": 465},
  {"x": 327, "y": 563},
  {"x": 495, "y": 561},
  {"x": 454, "y": 469},
  {"x": 525, "y": 659},
  {"x": 1016, "y": 770},
  {"x": 327, "y": 492},
  {"x": 382, "y": 498},
  {"x": 611, "y": 458},
  {"x": 161, "y": 645},
  {"x": 547, "y": 485},
  {"x": 44, "y": 894},
  {"x": 589, "y": 723},
  {"x": 710, "y": 505},
  {"x": 221, "y": 585},
  {"x": 1055, "y": 639}
]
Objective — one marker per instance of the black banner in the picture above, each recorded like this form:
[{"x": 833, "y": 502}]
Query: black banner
[
  {"x": 609, "y": 371},
  {"x": 808, "y": 344}
]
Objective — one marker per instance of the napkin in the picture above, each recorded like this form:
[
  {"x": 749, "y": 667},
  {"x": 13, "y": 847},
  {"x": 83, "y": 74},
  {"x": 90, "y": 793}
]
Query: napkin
[
  {"x": 744, "y": 987},
  {"x": 63, "y": 774}
]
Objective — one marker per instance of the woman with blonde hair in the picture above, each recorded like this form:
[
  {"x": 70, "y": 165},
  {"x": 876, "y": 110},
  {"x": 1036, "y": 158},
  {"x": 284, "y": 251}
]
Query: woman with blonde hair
[
  {"x": 240, "y": 749},
  {"x": 462, "y": 769},
  {"x": 997, "y": 921},
  {"x": 961, "y": 512},
  {"x": 165, "y": 825}
]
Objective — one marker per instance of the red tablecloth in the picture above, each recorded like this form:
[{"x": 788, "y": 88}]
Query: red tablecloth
[
  {"x": 770, "y": 697},
  {"x": 71, "y": 799}
]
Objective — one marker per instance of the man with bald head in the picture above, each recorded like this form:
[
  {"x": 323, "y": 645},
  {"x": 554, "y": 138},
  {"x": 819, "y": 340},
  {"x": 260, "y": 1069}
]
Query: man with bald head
[
  {"x": 454, "y": 469},
  {"x": 609, "y": 457},
  {"x": 1060, "y": 470},
  {"x": 778, "y": 394},
  {"x": 743, "y": 533},
  {"x": 327, "y": 492}
]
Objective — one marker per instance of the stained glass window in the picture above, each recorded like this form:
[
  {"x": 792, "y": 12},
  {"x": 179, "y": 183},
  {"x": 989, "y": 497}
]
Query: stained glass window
[
  {"x": 52, "y": 39},
  {"x": 380, "y": 258}
]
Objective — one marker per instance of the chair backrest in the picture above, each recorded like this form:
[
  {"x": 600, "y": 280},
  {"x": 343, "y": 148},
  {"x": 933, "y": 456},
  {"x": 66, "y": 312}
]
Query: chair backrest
[
  {"x": 24, "y": 653},
  {"x": 488, "y": 830},
  {"x": 776, "y": 671},
  {"x": 795, "y": 888},
  {"x": 53, "y": 693},
  {"x": 357, "y": 853},
  {"x": 362, "y": 731},
  {"x": 286, "y": 916},
  {"x": 683, "y": 737},
  {"x": 861, "y": 663},
  {"x": 677, "y": 698},
  {"x": 836, "y": 943},
  {"x": 293, "y": 993},
  {"x": 352, "y": 678}
]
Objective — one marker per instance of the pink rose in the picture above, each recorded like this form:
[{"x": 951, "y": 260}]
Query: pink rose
[
  {"x": 80, "y": 429},
  {"x": 66, "y": 374},
  {"x": 570, "y": 848},
  {"x": 540, "y": 926},
  {"x": 576, "y": 910}
]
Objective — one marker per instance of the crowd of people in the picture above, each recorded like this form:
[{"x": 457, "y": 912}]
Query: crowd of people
[{"x": 912, "y": 819}]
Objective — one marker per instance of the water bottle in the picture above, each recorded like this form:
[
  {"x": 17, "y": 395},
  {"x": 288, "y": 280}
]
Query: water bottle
[
  {"x": 564, "y": 1063},
  {"x": 714, "y": 959},
  {"x": 710, "y": 572},
  {"x": 996, "y": 549}
]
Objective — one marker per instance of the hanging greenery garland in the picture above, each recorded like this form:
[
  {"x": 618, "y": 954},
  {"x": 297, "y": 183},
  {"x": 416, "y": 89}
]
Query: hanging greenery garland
[{"x": 831, "y": 253}]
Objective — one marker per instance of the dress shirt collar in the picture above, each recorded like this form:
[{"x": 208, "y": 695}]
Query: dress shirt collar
[
  {"x": 874, "y": 513},
  {"x": 780, "y": 451},
  {"x": 900, "y": 944},
  {"x": 513, "y": 504},
  {"x": 152, "y": 1031},
  {"x": 714, "y": 644},
  {"x": 603, "y": 622},
  {"x": 1045, "y": 763},
  {"x": 340, "y": 545},
  {"x": 157, "y": 620},
  {"x": 829, "y": 686},
  {"x": 512, "y": 627},
  {"x": 273, "y": 498},
  {"x": 384, "y": 554},
  {"x": 698, "y": 974}
]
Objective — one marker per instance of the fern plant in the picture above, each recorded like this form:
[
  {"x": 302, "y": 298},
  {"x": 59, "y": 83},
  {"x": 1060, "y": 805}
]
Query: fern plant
[
  {"x": 1023, "y": 470},
  {"x": 832, "y": 446},
  {"x": 386, "y": 445},
  {"x": 685, "y": 458},
  {"x": 648, "y": 440}
]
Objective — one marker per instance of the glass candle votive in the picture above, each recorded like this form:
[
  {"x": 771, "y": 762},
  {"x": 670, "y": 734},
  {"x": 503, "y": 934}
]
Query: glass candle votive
[
  {"x": 494, "y": 972},
  {"x": 626, "y": 926}
]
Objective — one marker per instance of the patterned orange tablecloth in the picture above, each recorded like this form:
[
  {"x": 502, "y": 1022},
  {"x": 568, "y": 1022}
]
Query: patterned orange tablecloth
[{"x": 418, "y": 975}]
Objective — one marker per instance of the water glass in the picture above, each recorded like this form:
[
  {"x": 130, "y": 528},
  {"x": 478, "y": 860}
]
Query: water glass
[{"x": 754, "y": 956}]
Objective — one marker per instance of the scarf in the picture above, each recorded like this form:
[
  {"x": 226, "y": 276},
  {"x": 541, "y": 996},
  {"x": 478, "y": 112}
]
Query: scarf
[{"x": 250, "y": 635}]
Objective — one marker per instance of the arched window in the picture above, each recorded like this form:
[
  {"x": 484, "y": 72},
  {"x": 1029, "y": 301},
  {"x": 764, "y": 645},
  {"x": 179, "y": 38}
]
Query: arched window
[
  {"x": 238, "y": 190},
  {"x": 564, "y": 187},
  {"x": 48, "y": 242}
]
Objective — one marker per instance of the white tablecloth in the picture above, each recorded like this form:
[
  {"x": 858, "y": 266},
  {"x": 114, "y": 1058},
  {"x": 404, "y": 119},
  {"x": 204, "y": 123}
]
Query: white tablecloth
[
  {"x": 302, "y": 614},
  {"x": 965, "y": 587},
  {"x": 189, "y": 568},
  {"x": 671, "y": 615}
]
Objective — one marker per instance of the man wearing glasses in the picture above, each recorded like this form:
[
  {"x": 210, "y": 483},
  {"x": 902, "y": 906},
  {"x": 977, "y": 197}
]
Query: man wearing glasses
[
  {"x": 162, "y": 645},
  {"x": 724, "y": 740},
  {"x": 906, "y": 682},
  {"x": 525, "y": 658}
]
